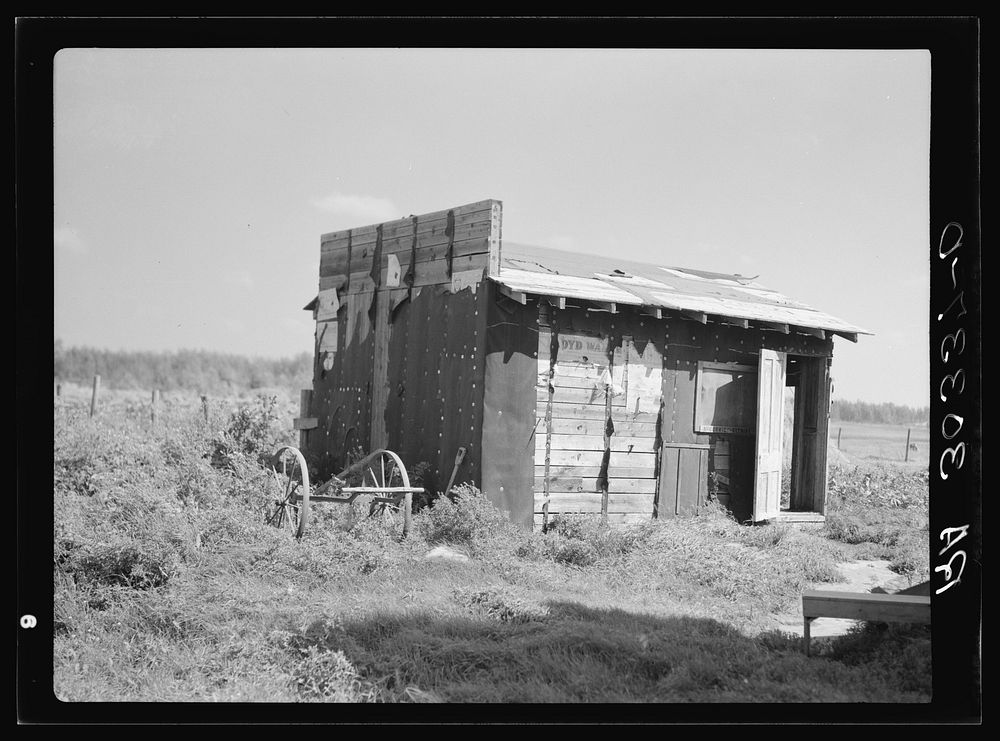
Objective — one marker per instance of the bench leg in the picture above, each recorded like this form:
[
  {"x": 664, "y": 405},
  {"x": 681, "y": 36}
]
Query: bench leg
[{"x": 805, "y": 632}]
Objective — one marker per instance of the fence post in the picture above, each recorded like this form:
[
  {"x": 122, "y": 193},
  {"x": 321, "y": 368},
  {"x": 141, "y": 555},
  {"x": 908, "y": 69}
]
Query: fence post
[
  {"x": 840, "y": 431},
  {"x": 907, "y": 456},
  {"x": 93, "y": 396},
  {"x": 305, "y": 400},
  {"x": 153, "y": 405},
  {"x": 204, "y": 407},
  {"x": 58, "y": 389},
  {"x": 407, "y": 513}
]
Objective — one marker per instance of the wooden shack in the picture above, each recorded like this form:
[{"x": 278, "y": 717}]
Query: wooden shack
[{"x": 575, "y": 383}]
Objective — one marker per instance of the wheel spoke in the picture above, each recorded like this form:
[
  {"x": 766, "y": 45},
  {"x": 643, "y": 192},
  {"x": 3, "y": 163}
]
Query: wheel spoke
[{"x": 290, "y": 510}]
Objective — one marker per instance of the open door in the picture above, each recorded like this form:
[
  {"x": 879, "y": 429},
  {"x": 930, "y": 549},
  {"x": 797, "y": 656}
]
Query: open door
[{"x": 770, "y": 425}]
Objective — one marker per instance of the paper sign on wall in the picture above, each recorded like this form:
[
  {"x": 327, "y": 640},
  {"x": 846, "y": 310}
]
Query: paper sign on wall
[
  {"x": 326, "y": 335},
  {"x": 328, "y": 305},
  {"x": 463, "y": 279},
  {"x": 394, "y": 272}
]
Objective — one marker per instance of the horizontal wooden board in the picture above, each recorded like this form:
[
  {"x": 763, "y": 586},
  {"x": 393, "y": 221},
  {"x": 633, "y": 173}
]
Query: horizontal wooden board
[
  {"x": 332, "y": 281},
  {"x": 336, "y": 263},
  {"x": 562, "y": 483},
  {"x": 590, "y": 412},
  {"x": 403, "y": 228},
  {"x": 589, "y": 353},
  {"x": 573, "y": 370},
  {"x": 587, "y": 503},
  {"x": 589, "y": 458},
  {"x": 434, "y": 272},
  {"x": 596, "y": 427},
  {"x": 572, "y": 411},
  {"x": 622, "y": 443},
  {"x": 466, "y": 243},
  {"x": 590, "y": 484},
  {"x": 458, "y": 211},
  {"x": 404, "y": 244},
  {"x": 588, "y": 471},
  {"x": 305, "y": 423},
  {"x": 571, "y": 382},
  {"x": 569, "y": 442},
  {"x": 566, "y": 395},
  {"x": 866, "y": 606}
]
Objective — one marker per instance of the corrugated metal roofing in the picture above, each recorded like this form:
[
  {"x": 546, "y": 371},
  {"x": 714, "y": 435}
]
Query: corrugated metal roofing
[{"x": 547, "y": 272}]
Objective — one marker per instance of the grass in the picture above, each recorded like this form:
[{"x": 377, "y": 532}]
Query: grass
[
  {"x": 169, "y": 587},
  {"x": 876, "y": 442}
]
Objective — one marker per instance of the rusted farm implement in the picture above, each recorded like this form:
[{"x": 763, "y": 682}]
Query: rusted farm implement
[{"x": 380, "y": 474}]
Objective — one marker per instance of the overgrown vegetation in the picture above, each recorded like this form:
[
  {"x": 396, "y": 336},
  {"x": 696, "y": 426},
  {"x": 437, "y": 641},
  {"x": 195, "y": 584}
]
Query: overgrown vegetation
[
  {"x": 169, "y": 587},
  {"x": 884, "y": 511},
  {"x": 885, "y": 413},
  {"x": 210, "y": 372}
]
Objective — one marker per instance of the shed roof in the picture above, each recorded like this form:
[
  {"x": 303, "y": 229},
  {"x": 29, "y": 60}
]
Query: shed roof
[{"x": 544, "y": 271}]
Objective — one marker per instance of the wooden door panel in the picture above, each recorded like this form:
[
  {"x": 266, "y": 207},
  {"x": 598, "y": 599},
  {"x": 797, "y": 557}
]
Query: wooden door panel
[{"x": 770, "y": 425}]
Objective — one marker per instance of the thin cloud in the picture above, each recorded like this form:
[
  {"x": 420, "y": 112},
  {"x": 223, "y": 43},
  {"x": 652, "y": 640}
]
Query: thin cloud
[
  {"x": 69, "y": 239},
  {"x": 355, "y": 209},
  {"x": 561, "y": 242},
  {"x": 241, "y": 278},
  {"x": 234, "y": 326}
]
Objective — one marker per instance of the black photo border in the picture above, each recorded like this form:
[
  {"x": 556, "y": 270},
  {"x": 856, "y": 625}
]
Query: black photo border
[{"x": 954, "y": 45}]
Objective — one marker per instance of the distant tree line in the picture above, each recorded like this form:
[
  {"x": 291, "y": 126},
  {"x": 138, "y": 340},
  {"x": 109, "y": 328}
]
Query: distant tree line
[
  {"x": 884, "y": 413},
  {"x": 198, "y": 370}
]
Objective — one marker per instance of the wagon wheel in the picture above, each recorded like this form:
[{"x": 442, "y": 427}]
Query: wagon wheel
[
  {"x": 291, "y": 511},
  {"x": 383, "y": 470}
]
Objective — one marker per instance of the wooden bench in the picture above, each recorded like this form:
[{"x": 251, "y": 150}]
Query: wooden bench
[{"x": 876, "y": 608}]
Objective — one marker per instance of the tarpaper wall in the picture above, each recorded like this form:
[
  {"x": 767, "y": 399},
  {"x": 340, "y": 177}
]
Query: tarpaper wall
[
  {"x": 406, "y": 301},
  {"x": 509, "y": 429}
]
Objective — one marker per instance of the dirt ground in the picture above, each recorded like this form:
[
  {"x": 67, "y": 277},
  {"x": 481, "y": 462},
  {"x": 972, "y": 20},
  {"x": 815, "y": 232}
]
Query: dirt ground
[{"x": 862, "y": 576}]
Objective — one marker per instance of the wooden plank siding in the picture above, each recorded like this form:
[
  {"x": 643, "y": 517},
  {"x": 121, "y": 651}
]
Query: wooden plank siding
[
  {"x": 684, "y": 482},
  {"x": 589, "y": 451}
]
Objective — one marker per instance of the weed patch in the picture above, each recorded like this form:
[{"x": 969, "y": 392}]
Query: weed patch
[
  {"x": 170, "y": 587},
  {"x": 502, "y": 606}
]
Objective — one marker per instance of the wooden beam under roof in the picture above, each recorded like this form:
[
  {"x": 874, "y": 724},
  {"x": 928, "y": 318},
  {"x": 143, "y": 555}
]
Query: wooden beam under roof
[
  {"x": 511, "y": 294},
  {"x": 698, "y": 316},
  {"x": 651, "y": 311},
  {"x": 813, "y": 331},
  {"x": 558, "y": 302},
  {"x": 776, "y": 326},
  {"x": 736, "y": 322},
  {"x": 610, "y": 306},
  {"x": 852, "y": 336}
]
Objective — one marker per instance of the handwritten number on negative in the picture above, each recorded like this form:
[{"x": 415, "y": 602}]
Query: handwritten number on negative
[
  {"x": 952, "y": 378},
  {"x": 960, "y": 448},
  {"x": 954, "y": 337},
  {"x": 960, "y": 298}
]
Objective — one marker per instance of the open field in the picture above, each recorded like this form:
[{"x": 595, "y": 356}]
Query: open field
[
  {"x": 169, "y": 587},
  {"x": 873, "y": 442}
]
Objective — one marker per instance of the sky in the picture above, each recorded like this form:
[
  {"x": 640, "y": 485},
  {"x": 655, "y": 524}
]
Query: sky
[{"x": 192, "y": 185}]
